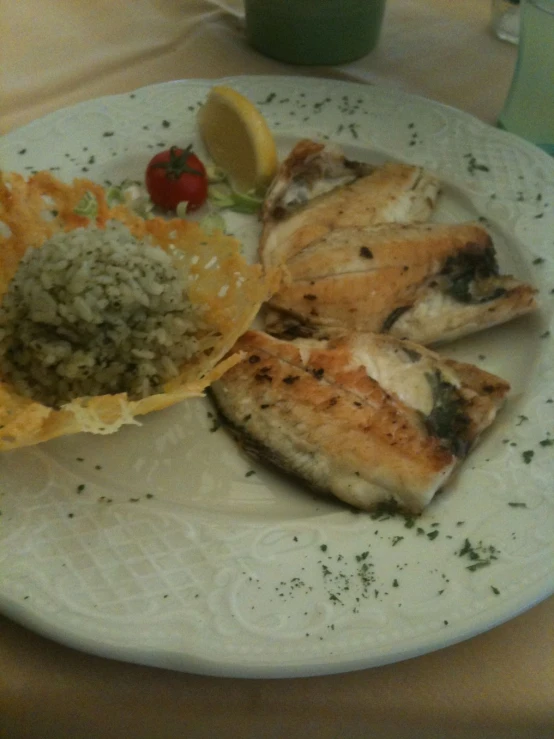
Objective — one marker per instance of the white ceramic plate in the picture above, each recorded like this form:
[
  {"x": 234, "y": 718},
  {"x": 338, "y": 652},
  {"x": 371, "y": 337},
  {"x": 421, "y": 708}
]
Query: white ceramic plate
[{"x": 179, "y": 551}]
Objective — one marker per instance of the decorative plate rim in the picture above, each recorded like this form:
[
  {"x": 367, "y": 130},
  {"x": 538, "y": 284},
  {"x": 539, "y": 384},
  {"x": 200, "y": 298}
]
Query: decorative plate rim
[{"x": 256, "y": 651}]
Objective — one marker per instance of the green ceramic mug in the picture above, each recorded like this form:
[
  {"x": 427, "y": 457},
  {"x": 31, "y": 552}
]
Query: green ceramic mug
[{"x": 314, "y": 31}]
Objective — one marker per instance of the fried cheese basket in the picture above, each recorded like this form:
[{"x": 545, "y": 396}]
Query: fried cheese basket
[{"x": 229, "y": 290}]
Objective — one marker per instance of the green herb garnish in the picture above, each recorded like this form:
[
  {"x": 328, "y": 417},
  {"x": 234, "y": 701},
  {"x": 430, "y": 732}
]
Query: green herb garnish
[
  {"x": 480, "y": 555},
  {"x": 466, "y": 271},
  {"x": 212, "y": 222},
  {"x": 472, "y": 163},
  {"x": 385, "y": 510},
  {"x": 447, "y": 420},
  {"x": 223, "y": 196},
  {"x": 87, "y": 206}
]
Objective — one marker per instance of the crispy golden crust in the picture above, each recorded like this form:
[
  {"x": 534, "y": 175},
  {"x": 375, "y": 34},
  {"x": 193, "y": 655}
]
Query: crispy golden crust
[
  {"x": 309, "y": 425},
  {"x": 313, "y": 409},
  {"x": 384, "y": 196},
  {"x": 356, "y": 279},
  {"x": 402, "y": 247},
  {"x": 360, "y": 257},
  {"x": 230, "y": 289},
  {"x": 391, "y": 193}
]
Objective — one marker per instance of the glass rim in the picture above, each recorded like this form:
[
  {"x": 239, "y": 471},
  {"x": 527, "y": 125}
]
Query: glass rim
[{"x": 545, "y": 5}]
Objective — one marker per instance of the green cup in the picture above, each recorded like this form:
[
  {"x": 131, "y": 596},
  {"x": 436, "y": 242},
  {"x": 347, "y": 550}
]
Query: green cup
[
  {"x": 314, "y": 31},
  {"x": 529, "y": 107}
]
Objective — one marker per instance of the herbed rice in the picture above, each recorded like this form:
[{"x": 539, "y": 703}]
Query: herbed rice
[{"x": 93, "y": 312}]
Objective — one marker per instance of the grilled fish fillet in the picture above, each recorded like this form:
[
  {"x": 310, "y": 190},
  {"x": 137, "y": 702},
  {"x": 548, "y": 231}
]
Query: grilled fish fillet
[
  {"x": 317, "y": 189},
  {"x": 367, "y": 418},
  {"x": 425, "y": 282}
]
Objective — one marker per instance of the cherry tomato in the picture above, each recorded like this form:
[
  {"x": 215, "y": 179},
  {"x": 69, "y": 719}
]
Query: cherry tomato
[{"x": 174, "y": 176}]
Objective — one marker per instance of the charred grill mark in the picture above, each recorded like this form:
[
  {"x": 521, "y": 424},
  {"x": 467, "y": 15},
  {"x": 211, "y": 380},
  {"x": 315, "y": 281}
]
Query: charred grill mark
[
  {"x": 310, "y": 296},
  {"x": 417, "y": 181},
  {"x": 291, "y": 379},
  {"x": 254, "y": 359},
  {"x": 391, "y": 319},
  {"x": 412, "y": 354},
  {"x": 292, "y": 328},
  {"x": 366, "y": 253},
  {"x": 360, "y": 169},
  {"x": 298, "y": 331},
  {"x": 279, "y": 212},
  {"x": 318, "y": 373},
  {"x": 263, "y": 376}
]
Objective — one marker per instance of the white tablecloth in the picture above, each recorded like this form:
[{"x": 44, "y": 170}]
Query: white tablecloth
[{"x": 499, "y": 685}]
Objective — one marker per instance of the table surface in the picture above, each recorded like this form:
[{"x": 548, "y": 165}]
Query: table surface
[{"x": 499, "y": 684}]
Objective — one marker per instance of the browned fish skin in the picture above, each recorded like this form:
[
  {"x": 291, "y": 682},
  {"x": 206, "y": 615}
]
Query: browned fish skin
[
  {"x": 365, "y": 195},
  {"x": 359, "y": 257},
  {"x": 394, "y": 279},
  {"x": 313, "y": 409},
  {"x": 436, "y": 317}
]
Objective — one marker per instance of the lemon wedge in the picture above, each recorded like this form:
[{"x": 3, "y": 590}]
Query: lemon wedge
[{"x": 238, "y": 139}]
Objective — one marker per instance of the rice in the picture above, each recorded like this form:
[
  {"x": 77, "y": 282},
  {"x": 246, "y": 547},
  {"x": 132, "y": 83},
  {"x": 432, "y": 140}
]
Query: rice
[{"x": 96, "y": 311}]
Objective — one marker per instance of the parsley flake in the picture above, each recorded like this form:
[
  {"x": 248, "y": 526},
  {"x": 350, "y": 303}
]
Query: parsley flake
[{"x": 480, "y": 555}]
